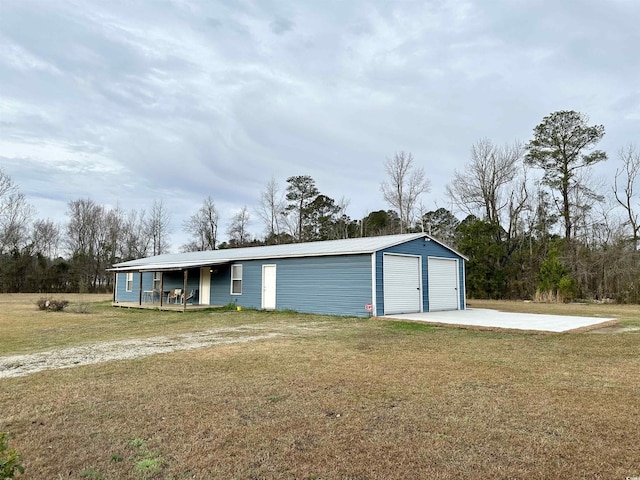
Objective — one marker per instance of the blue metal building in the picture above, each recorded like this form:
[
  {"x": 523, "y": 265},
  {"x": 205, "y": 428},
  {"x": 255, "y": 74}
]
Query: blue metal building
[{"x": 357, "y": 277}]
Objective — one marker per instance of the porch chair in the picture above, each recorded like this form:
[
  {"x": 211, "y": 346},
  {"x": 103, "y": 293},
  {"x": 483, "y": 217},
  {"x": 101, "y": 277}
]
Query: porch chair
[
  {"x": 174, "y": 295},
  {"x": 190, "y": 296}
]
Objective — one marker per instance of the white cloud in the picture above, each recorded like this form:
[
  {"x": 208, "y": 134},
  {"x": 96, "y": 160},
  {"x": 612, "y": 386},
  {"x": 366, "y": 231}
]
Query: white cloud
[{"x": 126, "y": 102}]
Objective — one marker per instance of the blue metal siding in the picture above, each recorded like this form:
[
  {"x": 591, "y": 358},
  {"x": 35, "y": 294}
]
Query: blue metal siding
[
  {"x": 251, "y": 296},
  {"x": 134, "y": 295},
  {"x": 121, "y": 294},
  {"x": 251, "y": 285},
  {"x": 338, "y": 285},
  {"x": 424, "y": 248},
  {"x": 335, "y": 285}
]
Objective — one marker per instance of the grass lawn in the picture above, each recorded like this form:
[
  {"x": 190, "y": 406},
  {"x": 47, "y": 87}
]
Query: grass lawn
[
  {"x": 359, "y": 399},
  {"x": 25, "y": 329}
]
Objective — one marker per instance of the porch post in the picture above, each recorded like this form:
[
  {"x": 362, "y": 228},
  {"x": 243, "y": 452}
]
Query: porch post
[
  {"x": 115, "y": 285},
  {"x": 140, "y": 291},
  {"x": 161, "y": 287},
  {"x": 184, "y": 291}
]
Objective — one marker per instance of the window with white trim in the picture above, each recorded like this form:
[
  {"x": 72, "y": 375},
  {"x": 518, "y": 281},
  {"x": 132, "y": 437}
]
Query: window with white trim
[
  {"x": 129, "y": 282},
  {"x": 236, "y": 279},
  {"x": 157, "y": 276}
]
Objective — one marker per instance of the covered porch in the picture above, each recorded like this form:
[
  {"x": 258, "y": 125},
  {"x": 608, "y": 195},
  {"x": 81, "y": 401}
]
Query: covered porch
[
  {"x": 168, "y": 286},
  {"x": 166, "y": 307}
]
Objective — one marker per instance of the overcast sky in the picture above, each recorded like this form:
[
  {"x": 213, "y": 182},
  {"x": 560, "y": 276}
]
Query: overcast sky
[{"x": 127, "y": 102}]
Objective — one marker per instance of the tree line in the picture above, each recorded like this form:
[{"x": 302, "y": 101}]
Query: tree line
[
  {"x": 540, "y": 224},
  {"x": 531, "y": 218}
]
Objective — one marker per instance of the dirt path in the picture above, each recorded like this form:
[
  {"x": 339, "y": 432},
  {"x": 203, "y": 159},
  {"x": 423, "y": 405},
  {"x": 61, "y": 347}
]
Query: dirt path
[{"x": 21, "y": 365}]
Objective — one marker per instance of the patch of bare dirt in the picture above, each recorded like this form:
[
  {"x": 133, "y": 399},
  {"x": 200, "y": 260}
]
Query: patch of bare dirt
[{"x": 20, "y": 365}]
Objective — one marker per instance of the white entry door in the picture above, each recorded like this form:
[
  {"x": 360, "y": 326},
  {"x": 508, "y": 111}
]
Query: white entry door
[
  {"x": 269, "y": 287},
  {"x": 205, "y": 286},
  {"x": 443, "y": 284},
  {"x": 402, "y": 284}
]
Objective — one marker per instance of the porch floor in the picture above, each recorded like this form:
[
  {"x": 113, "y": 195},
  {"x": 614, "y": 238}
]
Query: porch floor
[{"x": 170, "y": 307}]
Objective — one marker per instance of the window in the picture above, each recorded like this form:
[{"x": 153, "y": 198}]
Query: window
[
  {"x": 129, "y": 283},
  {"x": 156, "y": 280},
  {"x": 236, "y": 279}
]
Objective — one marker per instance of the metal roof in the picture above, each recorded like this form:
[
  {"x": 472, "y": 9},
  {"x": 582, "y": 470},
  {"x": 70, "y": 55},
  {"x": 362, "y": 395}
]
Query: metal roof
[{"x": 180, "y": 261}]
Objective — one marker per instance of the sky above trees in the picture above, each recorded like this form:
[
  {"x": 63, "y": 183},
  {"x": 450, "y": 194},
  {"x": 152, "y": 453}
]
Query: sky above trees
[{"x": 133, "y": 102}]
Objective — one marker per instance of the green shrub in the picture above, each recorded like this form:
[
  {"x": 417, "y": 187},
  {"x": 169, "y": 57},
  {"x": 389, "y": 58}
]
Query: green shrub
[
  {"x": 55, "y": 305},
  {"x": 555, "y": 284},
  {"x": 551, "y": 272},
  {"x": 568, "y": 288},
  {"x": 9, "y": 459}
]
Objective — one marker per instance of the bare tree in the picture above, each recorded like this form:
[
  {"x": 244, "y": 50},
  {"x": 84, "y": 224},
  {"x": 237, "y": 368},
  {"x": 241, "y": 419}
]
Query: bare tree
[
  {"x": 290, "y": 225},
  {"x": 270, "y": 210},
  {"x": 110, "y": 236},
  {"x": 612, "y": 263},
  {"x": 45, "y": 238},
  {"x": 134, "y": 242},
  {"x": 15, "y": 215},
  {"x": 624, "y": 188},
  {"x": 583, "y": 197},
  {"x": 158, "y": 228},
  {"x": 238, "y": 228},
  {"x": 404, "y": 187},
  {"x": 482, "y": 187},
  {"x": 203, "y": 228},
  {"x": 96, "y": 237},
  {"x": 519, "y": 203},
  {"x": 82, "y": 240},
  {"x": 343, "y": 222},
  {"x": 82, "y": 229}
]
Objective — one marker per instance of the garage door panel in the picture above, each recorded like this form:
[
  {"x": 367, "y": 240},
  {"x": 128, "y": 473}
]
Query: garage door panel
[
  {"x": 402, "y": 285},
  {"x": 443, "y": 284}
]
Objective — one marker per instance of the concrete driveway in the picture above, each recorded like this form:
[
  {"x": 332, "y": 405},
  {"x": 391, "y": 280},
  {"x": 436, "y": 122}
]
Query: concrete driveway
[{"x": 480, "y": 317}]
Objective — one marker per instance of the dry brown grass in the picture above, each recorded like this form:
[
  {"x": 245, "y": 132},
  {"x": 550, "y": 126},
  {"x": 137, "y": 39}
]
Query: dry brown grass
[
  {"x": 364, "y": 400},
  {"x": 25, "y": 329}
]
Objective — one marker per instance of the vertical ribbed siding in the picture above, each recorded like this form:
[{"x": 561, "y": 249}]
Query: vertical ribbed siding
[
  {"x": 335, "y": 285},
  {"x": 443, "y": 284},
  {"x": 425, "y": 248},
  {"x": 220, "y": 288},
  {"x": 401, "y": 283}
]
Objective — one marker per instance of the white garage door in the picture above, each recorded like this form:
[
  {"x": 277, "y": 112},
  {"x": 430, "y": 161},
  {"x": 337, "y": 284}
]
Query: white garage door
[
  {"x": 402, "y": 286},
  {"x": 443, "y": 284}
]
